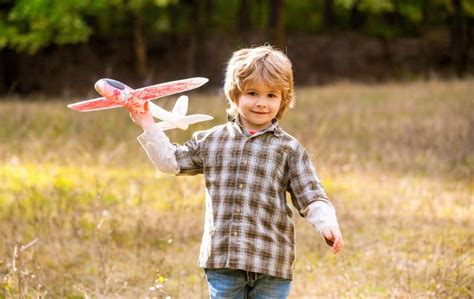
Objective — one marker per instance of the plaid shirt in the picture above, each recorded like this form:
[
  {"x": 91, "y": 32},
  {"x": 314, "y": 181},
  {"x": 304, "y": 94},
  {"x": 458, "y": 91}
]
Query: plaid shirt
[{"x": 249, "y": 224}]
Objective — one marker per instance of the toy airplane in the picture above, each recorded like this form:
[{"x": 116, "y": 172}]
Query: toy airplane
[{"x": 116, "y": 94}]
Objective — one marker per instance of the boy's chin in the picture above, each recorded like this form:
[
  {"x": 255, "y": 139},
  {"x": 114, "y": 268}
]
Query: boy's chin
[{"x": 259, "y": 126}]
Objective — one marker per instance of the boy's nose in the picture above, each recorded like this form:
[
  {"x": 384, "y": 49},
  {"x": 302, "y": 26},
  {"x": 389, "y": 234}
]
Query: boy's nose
[{"x": 261, "y": 104}]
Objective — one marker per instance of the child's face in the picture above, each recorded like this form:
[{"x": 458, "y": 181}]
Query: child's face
[{"x": 258, "y": 105}]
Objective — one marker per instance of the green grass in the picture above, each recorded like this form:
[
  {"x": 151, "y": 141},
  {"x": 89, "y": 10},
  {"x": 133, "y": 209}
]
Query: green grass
[{"x": 397, "y": 161}]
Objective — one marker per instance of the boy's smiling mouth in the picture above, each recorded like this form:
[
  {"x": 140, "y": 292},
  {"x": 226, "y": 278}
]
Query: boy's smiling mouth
[{"x": 259, "y": 112}]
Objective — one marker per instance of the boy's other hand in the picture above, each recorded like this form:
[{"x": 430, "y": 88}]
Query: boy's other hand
[
  {"x": 144, "y": 120},
  {"x": 333, "y": 237}
]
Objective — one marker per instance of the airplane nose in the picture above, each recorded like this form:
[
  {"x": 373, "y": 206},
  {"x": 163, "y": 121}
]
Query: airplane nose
[{"x": 99, "y": 86}]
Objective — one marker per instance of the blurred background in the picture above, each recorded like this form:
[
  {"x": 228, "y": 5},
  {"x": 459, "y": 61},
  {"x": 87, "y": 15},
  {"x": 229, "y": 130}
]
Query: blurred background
[
  {"x": 384, "y": 108},
  {"x": 63, "y": 47}
]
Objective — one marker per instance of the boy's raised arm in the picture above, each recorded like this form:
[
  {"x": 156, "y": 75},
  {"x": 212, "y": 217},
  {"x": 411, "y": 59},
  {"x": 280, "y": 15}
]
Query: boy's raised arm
[
  {"x": 159, "y": 149},
  {"x": 155, "y": 143},
  {"x": 167, "y": 157}
]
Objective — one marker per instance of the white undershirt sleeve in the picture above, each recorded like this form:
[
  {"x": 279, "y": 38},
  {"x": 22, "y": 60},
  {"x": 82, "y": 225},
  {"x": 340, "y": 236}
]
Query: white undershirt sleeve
[
  {"x": 159, "y": 149},
  {"x": 321, "y": 214}
]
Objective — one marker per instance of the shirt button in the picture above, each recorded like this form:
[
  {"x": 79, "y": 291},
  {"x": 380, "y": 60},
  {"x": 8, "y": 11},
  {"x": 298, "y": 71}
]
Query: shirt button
[
  {"x": 238, "y": 210},
  {"x": 235, "y": 234},
  {"x": 241, "y": 186}
]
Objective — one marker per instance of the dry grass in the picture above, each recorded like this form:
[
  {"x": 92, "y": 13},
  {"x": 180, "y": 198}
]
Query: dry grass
[{"x": 83, "y": 214}]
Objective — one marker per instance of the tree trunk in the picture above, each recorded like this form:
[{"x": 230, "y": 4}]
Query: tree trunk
[
  {"x": 173, "y": 13},
  {"x": 243, "y": 19},
  {"x": 8, "y": 71},
  {"x": 328, "y": 16},
  {"x": 139, "y": 43},
  {"x": 459, "y": 31},
  {"x": 356, "y": 19},
  {"x": 3, "y": 72},
  {"x": 424, "y": 12},
  {"x": 277, "y": 24},
  {"x": 197, "y": 42}
]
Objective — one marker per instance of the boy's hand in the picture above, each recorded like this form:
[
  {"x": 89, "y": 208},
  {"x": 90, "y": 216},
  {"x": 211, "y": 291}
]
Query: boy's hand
[
  {"x": 333, "y": 238},
  {"x": 144, "y": 120}
]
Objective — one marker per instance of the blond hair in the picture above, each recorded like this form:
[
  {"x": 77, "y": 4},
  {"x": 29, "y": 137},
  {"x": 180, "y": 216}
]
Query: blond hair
[{"x": 263, "y": 63}]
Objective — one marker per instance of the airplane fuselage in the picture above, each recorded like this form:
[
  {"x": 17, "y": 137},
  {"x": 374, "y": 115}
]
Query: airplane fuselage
[
  {"x": 121, "y": 94},
  {"x": 116, "y": 94}
]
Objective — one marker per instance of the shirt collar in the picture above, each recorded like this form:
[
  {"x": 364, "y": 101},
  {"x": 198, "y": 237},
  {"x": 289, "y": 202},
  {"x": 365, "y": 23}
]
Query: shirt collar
[{"x": 274, "y": 127}]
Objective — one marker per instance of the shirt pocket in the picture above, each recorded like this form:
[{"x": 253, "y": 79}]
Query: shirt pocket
[
  {"x": 270, "y": 165},
  {"x": 213, "y": 159},
  {"x": 213, "y": 167},
  {"x": 218, "y": 160},
  {"x": 219, "y": 166}
]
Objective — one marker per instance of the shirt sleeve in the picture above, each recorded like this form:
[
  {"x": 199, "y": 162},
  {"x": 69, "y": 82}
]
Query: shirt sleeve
[
  {"x": 188, "y": 156},
  {"x": 159, "y": 149},
  {"x": 307, "y": 193}
]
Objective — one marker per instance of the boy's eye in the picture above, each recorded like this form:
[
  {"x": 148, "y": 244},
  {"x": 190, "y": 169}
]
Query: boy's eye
[{"x": 252, "y": 93}]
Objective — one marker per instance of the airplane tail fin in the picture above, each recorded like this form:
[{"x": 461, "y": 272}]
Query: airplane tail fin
[
  {"x": 177, "y": 118},
  {"x": 181, "y": 106},
  {"x": 179, "y": 109}
]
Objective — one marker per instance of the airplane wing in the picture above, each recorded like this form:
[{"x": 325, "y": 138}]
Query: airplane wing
[
  {"x": 165, "y": 125},
  {"x": 93, "y": 105},
  {"x": 189, "y": 119},
  {"x": 195, "y": 118},
  {"x": 168, "y": 88}
]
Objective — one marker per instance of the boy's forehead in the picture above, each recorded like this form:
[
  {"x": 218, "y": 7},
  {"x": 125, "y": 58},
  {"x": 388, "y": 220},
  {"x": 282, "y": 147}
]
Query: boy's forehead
[{"x": 261, "y": 84}]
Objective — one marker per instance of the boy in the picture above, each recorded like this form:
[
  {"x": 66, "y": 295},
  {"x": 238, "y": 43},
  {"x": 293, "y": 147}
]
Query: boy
[{"x": 249, "y": 164}]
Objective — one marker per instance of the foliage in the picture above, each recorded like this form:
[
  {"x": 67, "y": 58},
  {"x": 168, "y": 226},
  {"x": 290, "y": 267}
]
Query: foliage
[
  {"x": 115, "y": 16},
  {"x": 29, "y": 25},
  {"x": 34, "y": 24}
]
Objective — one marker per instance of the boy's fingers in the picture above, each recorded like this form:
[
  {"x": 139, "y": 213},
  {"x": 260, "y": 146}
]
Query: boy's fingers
[
  {"x": 337, "y": 245},
  {"x": 327, "y": 234}
]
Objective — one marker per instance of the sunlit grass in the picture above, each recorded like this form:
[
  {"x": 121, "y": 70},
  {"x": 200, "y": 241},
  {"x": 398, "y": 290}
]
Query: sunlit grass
[{"x": 397, "y": 161}]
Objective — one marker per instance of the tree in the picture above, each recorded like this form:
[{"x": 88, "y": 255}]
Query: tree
[
  {"x": 31, "y": 25},
  {"x": 460, "y": 36},
  {"x": 276, "y": 23},
  {"x": 243, "y": 19},
  {"x": 34, "y": 24},
  {"x": 328, "y": 14},
  {"x": 136, "y": 20}
]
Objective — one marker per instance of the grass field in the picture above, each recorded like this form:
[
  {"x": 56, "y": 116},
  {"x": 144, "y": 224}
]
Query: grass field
[{"x": 83, "y": 213}]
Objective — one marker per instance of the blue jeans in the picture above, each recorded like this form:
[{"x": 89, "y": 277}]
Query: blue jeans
[{"x": 231, "y": 283}]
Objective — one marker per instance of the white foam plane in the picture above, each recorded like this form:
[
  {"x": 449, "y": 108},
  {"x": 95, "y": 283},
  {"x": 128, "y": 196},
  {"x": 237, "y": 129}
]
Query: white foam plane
[{"x": 116, "y": 94}]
